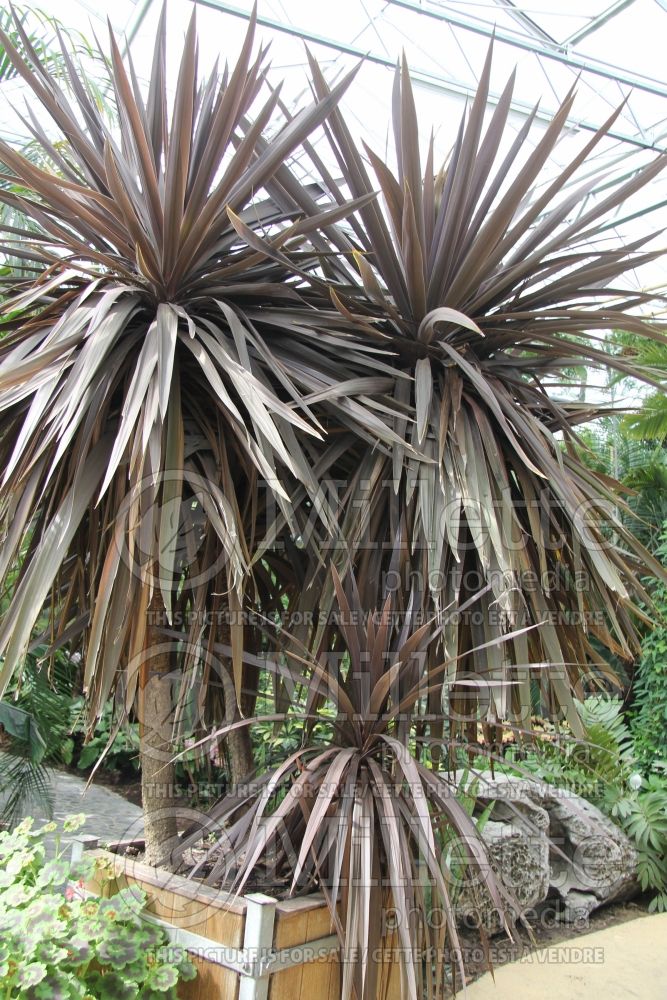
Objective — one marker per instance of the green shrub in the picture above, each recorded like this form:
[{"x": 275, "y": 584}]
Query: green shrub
[
  {"x": 649, "y": 721},
  {"x": 36, "y": 721},
  {"x": 58, "y": 943},
  {"x": 587, "y": 767},
  {"x": 642, "y": 813},
  {"x": 117, "y": 746}
]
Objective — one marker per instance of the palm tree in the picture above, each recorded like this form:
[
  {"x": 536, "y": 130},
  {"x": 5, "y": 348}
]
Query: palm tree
[
  {"x": 640, "y": 466},
  {"x": 649, "y": 423},
  {"x": 479, "y": 518},
  {"x": 35, "y": 729},
  {"x": 45, "y": 34}
]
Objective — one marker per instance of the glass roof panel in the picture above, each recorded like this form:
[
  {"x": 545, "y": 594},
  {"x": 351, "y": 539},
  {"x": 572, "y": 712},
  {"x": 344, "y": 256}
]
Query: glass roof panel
[
  {"x": 560, "y": 19},
  {"x": 446, "y": 44},
  {"x": 634, "y": 40}
]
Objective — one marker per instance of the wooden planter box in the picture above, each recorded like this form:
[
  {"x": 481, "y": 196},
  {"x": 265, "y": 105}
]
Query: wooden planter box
[{"x": 253, "y": 947}]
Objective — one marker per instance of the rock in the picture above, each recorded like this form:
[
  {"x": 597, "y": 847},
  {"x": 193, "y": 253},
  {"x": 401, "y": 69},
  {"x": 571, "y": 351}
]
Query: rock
[
  {"x": 521, "y": 861},
  {"x": 547, "y": 841},
  {"x": 601, "y": 865}
]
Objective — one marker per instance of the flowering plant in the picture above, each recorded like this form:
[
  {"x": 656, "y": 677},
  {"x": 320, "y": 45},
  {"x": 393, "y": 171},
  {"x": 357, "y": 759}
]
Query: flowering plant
[{"x": 57, "y": 942}]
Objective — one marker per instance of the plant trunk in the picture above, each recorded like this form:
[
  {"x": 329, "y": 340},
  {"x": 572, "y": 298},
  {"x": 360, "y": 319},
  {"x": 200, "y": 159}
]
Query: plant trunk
[
  {"x": 156, "y": 744},
  {"x": 238, "y": 744},
  {"x": 239, "y": 755}
]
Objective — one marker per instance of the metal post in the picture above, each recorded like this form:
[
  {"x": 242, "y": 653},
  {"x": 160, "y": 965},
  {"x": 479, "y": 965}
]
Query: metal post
[
  {"x": 257, "y": 945},
  {"x": 83, "y": 842}
]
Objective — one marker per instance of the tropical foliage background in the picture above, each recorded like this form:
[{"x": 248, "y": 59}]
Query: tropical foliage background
[{"x": 308, "y": 458}]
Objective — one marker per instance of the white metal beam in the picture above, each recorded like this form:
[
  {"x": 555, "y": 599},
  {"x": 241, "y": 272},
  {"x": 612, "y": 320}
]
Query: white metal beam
[
  {"x": 597, "y": 22},
  {"x": 419, "y": 76}
]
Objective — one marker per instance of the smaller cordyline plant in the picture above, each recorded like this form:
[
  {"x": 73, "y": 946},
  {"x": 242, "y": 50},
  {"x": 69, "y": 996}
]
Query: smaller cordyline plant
[
  {"x": 58, "y": 942},
  {"x": 363, "y": 818}
]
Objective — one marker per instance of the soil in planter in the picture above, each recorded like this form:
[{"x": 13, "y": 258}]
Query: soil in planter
[{"x": 278, "y": 889}]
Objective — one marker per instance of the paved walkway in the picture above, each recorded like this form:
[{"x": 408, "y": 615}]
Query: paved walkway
[
  {"x": 625, "y": 962},
  {"x": 109, "y": 816}
]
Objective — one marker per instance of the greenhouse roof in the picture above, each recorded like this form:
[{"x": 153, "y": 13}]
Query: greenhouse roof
[{"x": 611, "y": 53}]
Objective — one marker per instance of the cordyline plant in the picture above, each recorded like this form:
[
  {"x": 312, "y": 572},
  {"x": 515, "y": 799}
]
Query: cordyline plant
[
  {"x": 360, "y": 818},
  {"x": 487, "y": 283},
  {"x": 161, "y": 384}
]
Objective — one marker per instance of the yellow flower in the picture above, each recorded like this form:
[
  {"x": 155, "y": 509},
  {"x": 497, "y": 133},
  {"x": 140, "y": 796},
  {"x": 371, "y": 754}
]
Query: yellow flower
[{"x": 74, "y": 822}]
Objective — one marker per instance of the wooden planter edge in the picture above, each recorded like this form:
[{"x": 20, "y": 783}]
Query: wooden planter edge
[
  {"x": 256, "y": 960},
  {"x": 196, "y": 890}
]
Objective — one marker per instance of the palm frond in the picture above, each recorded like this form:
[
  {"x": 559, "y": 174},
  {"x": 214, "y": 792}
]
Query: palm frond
[
  {"x": 26, "y": 786},
  {"x": 650, "y": 422}
]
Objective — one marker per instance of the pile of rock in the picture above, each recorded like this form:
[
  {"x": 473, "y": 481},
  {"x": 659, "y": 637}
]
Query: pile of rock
[{"x": 548, "y": 843}]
